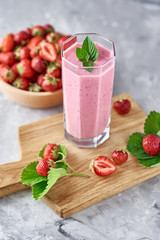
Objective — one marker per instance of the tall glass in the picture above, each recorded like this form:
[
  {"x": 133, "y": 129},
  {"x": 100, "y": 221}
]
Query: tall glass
[{"x": 87, "y": 95}]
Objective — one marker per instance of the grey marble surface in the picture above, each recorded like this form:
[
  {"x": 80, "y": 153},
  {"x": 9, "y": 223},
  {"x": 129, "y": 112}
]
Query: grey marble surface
[{"x": 134, "y": 26}]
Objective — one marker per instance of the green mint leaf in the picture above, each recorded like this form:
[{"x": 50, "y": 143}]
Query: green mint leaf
[
  {"x": 88, "y": 64},
  {"x": 30, "y": 176},
  {"x": 82, "y": 55},
  {"x": 90, "y": 48},
  {"x": 41, "y": 153},
  {"x": 134, "y": 146},
  {"x": 39, "y": 190},
  {"x": 152, "y": 162},
  {"x": 152, "y": 123}
]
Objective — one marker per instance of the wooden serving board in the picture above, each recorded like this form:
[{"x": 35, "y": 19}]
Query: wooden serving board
[{"x": 72, "y": 194}]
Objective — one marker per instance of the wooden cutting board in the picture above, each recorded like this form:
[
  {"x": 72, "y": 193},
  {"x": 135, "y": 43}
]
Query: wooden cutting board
[{"x": 72, "y": 194}]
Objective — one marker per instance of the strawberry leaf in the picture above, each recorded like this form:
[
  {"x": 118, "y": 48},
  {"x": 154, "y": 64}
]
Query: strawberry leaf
[
  {"x": 152, "y": 162},
  {"x": 30, "y": 176},
  {"x": 90, "y": 48},
  {"x": 41, "y": 153},
  {"x": 40, "y": 189},
  {"x": 152, "y": 123},
  {"x": 62, "y": 149}
]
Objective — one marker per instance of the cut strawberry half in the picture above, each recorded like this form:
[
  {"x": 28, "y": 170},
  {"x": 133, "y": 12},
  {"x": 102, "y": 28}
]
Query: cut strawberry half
[{"x": 48, "y": 51}]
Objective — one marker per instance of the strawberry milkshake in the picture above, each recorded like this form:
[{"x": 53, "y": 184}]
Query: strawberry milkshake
[{"x": 87, "y": 90}]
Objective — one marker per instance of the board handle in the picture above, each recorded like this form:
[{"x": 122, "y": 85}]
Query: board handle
[{"x": 10, "y": 178}]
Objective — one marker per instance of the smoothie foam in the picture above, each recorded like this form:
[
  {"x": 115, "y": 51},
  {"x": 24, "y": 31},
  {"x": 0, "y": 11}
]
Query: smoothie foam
[{"x": 87, "y": 95}]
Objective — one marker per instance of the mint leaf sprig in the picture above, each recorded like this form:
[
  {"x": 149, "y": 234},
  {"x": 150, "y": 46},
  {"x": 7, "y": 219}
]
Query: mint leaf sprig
[
  {"x": 40, "y": 184},
  {"x": 88, "y": 54},
  {"x": 134, "y": 144}
]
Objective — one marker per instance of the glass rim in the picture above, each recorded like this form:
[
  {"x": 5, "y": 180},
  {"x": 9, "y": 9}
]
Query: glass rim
[{"x": 91, "y": 67}]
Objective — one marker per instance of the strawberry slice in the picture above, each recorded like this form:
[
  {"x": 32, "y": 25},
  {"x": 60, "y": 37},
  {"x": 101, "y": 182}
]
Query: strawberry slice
[
  {"x": 103, "y": 166},
  {"x": 48, "y": 51}
]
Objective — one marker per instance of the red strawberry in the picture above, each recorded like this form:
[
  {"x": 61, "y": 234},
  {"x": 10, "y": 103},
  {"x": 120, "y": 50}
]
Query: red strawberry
[
  {"x": 51, "y": 151},
  {"x": 7, "y": 58},
  {"x": 21, "y": 83},
  {"x": 54, "y": 70},
  {"x": 40, "y": 79},
  {"x": 48, "y": 51},
  {"x": 59, "y": 60},
  {"x": 29, "y": 31},
  {"x": 59, "y": 84},
  {"x": 43, "y": 167},
  {"x": 103, "y": 166},
  {"x": 52, "y": 37},
  {"x": 7, "y": 43},
  {"x": 122, "y": 106},
  {"x": 49, "y": 28},
  {"x": 49, "y": 83},
  {"x": 34, "y": 42},
  {"x": 34, "y": 52},
  {"x": 38, "y": 64},
  {"x": 24, "y": 68},
  {"x": 119, "y": 156},
  {"x": 38, "y": 31},
  {"x": 34, "y": 78},
  {"x": 7, "y": 74},
  {"x": 151, "y": 144},
  {"x": 61, "y": 40},
  {"x": 14, "y": 68},
  {"x": 24, "y": 53},
  {"x": 34, "y": 87},
  {"x": 2, "y": 65},
  {"x": 21, "y": 37}
]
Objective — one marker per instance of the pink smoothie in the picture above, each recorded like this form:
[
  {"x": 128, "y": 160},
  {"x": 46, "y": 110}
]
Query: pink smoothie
[{"x": 87, "y": 95}]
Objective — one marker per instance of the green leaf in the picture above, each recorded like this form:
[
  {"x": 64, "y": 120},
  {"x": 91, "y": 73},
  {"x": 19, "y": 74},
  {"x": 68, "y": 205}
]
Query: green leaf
[
  {"x": 152, "y": 123},
  {"x": 62, "y": 149},
  {"x": 39, "y": 190},
  {"x": 134, "y": 146},
  {"x": 153, "y": 162},
  {"x": 82, "y": 55},
  {"x": 41, "y": 153},
  {"x": 90, "y": 48},
  {"x": 88, "y": 64},
  {"x": 30, "y": 176}
]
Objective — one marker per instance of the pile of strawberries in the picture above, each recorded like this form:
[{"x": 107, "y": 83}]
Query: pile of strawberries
[{"x": 31, "y": 59}]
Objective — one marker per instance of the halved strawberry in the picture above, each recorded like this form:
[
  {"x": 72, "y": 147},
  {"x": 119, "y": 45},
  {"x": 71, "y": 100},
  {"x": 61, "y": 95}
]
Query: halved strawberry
[
  {"x": 103, "y": 166},
  {"x": 48, "y": 51}
]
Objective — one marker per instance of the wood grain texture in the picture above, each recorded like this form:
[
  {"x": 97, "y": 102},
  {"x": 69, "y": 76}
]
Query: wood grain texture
[{"x": 72, "y": 194}]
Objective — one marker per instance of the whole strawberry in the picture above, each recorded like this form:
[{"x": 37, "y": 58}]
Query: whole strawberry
[
  {"x": 34, "y": 87},
  {"x": 49, "y": 28},
  {"x": 52, "y": 37},
  {"x": 43, "y": 167},
  {"x": 29, "y": 31},
  {"x": 40, "y": 79},
  {"x": 51, "y": 151},
  {"x": 24, "y": 53},
  {"x": 7, "y": 74},
  {"x": 38, "y": 31},
  {"x": 21, "y": 38},
  {"x": 38, "y": 64},
  {"x": 21, "y": 83},
  {"x": 54, "y": 70},
  {"x": 7, "y": 58},
  {"x": 59, "y": 84},
  {"x": 24, "y": 68},
  {"x": 122, "y": 106},
  {"x": 119, "y": 156},
  {"x": 34, "y": 42},
  {"x": 14, "y": 68},
  {"x": 7, "y": 43},
  {"x": 49, "y": 83},
  {"x": 151, "y": 144}
]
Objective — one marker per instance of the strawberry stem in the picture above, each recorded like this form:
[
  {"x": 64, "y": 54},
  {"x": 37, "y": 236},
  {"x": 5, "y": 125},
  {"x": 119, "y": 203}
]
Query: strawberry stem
[
  {"x": 64, "y": 160},
  {"x": 78, "y": 175}
]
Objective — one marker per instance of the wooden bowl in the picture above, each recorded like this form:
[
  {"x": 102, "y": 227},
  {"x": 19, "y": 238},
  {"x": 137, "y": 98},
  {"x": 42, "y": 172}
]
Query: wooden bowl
[{"x": 32, "y": 99}]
